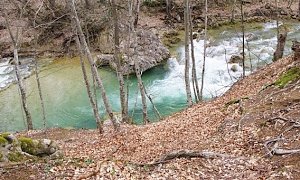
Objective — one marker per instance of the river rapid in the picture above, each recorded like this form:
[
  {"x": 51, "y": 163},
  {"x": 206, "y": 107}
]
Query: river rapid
[{"x": 66, "y": 100}]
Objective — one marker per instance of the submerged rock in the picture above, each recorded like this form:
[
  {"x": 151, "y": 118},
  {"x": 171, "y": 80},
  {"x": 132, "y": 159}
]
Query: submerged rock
[{"x": 146, "y": 48}]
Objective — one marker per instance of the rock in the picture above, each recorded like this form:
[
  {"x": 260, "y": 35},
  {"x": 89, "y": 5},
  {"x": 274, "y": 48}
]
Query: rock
[
  {"x": 236, "y": 59},
  {"x": 234, "y": 68},
  {"x": 148, "y": 50},
  {"x": 18, "y": 149},
  {"x": 104, "y": 59},
  {"x": 41, "y": 147},
  {"x": 251, "y": 37}
]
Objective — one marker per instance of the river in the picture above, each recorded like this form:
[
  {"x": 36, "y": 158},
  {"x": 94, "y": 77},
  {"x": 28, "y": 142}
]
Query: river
[{"x": 66, "y": 100}]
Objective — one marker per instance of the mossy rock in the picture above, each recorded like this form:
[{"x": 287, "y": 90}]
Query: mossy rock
[
  {"x": 3, "y": 141},
  {"x": 291, "y": 75},
  {"x": 15, "y": 156},
  {"x": 28, "y": 145}
]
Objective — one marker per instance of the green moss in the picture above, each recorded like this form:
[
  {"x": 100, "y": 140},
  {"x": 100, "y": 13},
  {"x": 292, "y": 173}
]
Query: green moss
[
  {"x": 1, "y": 156},
  {"x": 5, "y": 135},
  {"x": 27, "y": 145},
  {"x": 15, "y": 156},
  {"x": 3, "y": 141},
  {"x": 289, "y": 76}
]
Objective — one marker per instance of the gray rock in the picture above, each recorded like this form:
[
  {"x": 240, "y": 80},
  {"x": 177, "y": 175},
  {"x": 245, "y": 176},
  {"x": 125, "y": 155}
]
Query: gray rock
[
  {"x": 149, "y": 52},
  {"x": 236, "y": 59}
]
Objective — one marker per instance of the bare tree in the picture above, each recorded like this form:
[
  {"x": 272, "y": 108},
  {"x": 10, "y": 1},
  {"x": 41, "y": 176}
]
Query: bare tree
[
  {"x": 187, "y": 55},
  {"x": 233, "y": 2},
  {"x": 88, "y": 88},
  {"x": 204, "y": 52},
  {"x": 194, "y": 71},
  {"x": 118, "y": 62},
  {"x": 16, "y": 45},
  {"x": 142, "y": 91},
  {"x": 299, "y": 9},
  {"x": 93, "y": 66},
  {"x": 137, "y": 11},
  {"x": 36, "y": 69},
  {"x": 168, "y": 8},
  {"x": 243, "y": 34}
]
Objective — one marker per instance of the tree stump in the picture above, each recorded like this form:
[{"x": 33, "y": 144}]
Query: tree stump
[
  {"x": 296, "y": 49},
  {"x": 280, "y": 46}
]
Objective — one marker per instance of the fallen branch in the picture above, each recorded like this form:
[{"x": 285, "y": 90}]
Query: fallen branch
[
  {"x": 286, "y": 151},
  {"x": 274, "y": 144},
  {"x": 186, "y": 154}
]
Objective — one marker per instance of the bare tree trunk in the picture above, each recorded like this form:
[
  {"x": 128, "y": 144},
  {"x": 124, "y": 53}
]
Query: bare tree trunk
[
  {"x": 194, "y": 72},
  {"x": 39, "y": 86},
  {"x": 204, "y": 52},
  {"x": 233, "y": 10},
  {"x": 22, "y": 90},
  {"x": 168, "y": 8},
  {"x": 137, "y": 11},
  {"x": 15, "y": 41},
  {"x": 142, "y": 91},
  {"x": 243, "y": 32},
  {"x": 118, "y": 61},
  {"x": 299, "y": 9},
  {"x": 94, "y": 68},
  {"x": 280, "y": 46},
  {"x": 37, "y": 71},
  {"x": 88, "y": 88},
  {"x": 187, "y": 55}
]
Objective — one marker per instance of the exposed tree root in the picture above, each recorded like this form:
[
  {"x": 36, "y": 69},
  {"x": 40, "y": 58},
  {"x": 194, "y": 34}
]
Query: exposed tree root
[
  {"x": 271, "y": 145},
  {"x": 186, "y": 154}
]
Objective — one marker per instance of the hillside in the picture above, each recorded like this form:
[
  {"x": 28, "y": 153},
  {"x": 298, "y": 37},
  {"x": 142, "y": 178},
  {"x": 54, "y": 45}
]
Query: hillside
[{"x": 235, "y": 129}]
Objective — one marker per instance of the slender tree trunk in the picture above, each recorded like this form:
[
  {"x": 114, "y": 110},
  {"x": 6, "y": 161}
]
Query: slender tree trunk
[
  {"x": 187, "y": 55},
  {"x": 204, "y": 52},
  {"x": 118, "y": 61},
  {"x": 142, "y": 91},
  {"x": 299, "y": 9},
  {"x": 194, "y": 71},
  {"x": 233, "y": 10},
  {"x": 15, "y": 41},
  {"x": 88, "y": 88},
  {"x": 243, "y": 32},
  {"x": 168, "y": 7},
  {"x": 22, "y": 90},
  {"x": 137, "y": 11},
  {"x": 94, "y": 68},
  {"x": 39, "y": 86}
]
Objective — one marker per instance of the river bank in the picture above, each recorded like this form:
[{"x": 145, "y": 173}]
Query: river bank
[{"x": 206, "y": 127}]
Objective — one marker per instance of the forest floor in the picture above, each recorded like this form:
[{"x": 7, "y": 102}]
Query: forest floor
[{"x": 230, "y": 137}]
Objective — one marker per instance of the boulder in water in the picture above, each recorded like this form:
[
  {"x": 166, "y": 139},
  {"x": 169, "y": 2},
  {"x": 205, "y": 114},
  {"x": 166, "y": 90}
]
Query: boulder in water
[{"x": 236, "y": 59}]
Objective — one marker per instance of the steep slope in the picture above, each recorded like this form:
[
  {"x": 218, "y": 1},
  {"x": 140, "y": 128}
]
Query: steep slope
[{"x": 237, "y": 125}]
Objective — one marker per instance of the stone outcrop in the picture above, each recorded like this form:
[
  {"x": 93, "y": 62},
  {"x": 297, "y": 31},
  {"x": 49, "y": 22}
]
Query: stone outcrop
[
  {"x": 146, "y": 48},
  {"x": 17, "y": 149}
]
